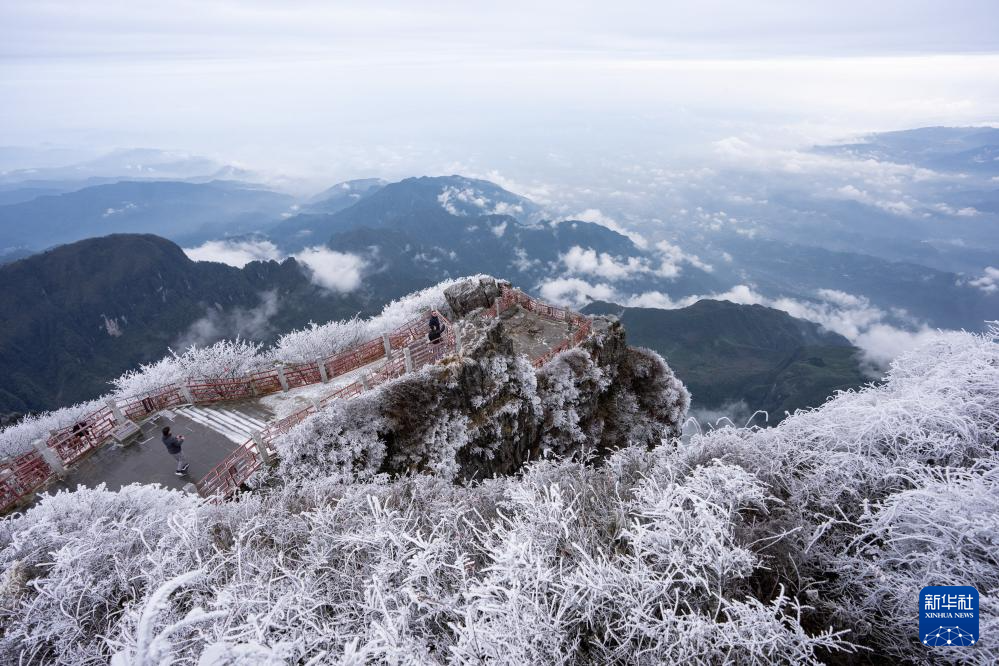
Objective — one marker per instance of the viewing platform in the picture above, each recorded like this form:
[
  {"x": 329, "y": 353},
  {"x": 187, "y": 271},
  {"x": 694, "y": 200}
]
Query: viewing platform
[{"x": 230, "y": 424}]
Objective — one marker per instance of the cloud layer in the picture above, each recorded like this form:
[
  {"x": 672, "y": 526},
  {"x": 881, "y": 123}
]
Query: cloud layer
[
  {"x": 867, "y": 326},
  {"x": 340, "y": 272},
  {"x": 988, "y": 282},
  {"x": 248, "y": 323},
  {"x": 234, "y": 253},
  {"x": 667, "y": 263}
]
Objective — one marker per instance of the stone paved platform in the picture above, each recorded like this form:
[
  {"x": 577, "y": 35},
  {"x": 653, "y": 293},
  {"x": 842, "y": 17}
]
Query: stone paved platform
[
  {"x": 146, "y": 460},
  {"x": 532, "y": 335}
]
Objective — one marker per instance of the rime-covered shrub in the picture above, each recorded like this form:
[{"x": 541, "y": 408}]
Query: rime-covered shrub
[
  {"x": 564, "y": 384},
  {"x": 17, "y": 438},
  {"x": 73, "y": 563},
  {"x": 339, "y": 443},
  {"x": 225, "y": 359},
  {"x": 316, "y": 342},
  {"x": 942, "y": 531},
  {"x": 150, "y": 376},
  {"x": 862, "y": 479},
  {"x": 648, "y": 394},
  {"x": 401, "y": 310}
]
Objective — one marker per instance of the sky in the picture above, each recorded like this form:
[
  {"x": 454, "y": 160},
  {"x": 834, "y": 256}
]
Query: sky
[{"x": 529, "y": 90}]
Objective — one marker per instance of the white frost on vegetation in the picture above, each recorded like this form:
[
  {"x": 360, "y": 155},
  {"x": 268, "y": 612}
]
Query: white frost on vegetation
[
  {"x": 318, "y": 341},
  {"x": 794, "y": 544},
  {"x": 17, "y": 439}
]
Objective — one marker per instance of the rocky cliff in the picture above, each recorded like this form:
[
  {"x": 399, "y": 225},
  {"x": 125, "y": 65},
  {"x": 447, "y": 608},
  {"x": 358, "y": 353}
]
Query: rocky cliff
[{"x": 488, "y": 411}]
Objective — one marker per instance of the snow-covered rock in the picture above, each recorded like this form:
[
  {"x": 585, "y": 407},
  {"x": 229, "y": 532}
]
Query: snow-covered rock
[
  {"x": 468, "y": 295},
  {"x": 490, "y": 411}
]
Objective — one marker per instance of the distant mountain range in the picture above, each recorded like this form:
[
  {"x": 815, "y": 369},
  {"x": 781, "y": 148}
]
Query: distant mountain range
[
  {"x": 191, "y": 212},
  {"x": 127, "y": 163},
  {"x": 84, "y": 313},
  {"x": 432, "y": 228},
  {"x": 927, "y": 196},
  {"x": 437, "y": 227},
  {"x": 342, "y": 195},
  {"x": 757, "y": 356},
  {"x": 791, "y": 240},
  {"x": 961, "y": 149}
]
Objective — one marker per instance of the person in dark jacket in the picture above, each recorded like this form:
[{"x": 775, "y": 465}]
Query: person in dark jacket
[
  {"x": 436, "y": 330},
  {"x": 80, "y": 431},
  {"x": 173, "y": 447}
]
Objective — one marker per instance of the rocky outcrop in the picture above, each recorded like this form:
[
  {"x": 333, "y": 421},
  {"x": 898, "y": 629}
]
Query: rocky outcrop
[
  {"x": 471, "y": 294},
  {"x": 490, "y": 411}
]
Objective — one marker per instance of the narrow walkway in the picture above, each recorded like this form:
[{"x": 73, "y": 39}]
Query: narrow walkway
[{"x": 286, "y": 403}]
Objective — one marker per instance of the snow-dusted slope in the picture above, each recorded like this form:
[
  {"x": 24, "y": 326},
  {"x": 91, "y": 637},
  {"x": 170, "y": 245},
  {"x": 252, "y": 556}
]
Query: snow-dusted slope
[{"x": 796, "y": 544}]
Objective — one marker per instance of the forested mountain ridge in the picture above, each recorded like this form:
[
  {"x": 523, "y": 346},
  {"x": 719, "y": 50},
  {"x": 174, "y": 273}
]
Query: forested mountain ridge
[
  {"x": 81, "y": 314},
  {"x": 758, "y": 356}
]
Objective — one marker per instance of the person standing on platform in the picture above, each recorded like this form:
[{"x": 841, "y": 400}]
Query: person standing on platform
[{"x": 174, "y": 446}]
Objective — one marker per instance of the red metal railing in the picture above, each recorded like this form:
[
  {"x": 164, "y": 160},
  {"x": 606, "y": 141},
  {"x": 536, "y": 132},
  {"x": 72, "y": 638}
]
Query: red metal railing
[
  {"x": 237, "y": 467},
  {"x": 222, "y": 481},
  {"x": 76, "y": 441},
  {"x": 150, "y": 402},
  {"x": 352, "y": 359},
  {"x": 573, "y": 340},
  {"x": 222, "y": 390},
  {"x": 263, "y": 382},
  {"x": 25, "y": 474},
  {"x": 302, "y": 374},
  {"x": 22, "y": 476}
]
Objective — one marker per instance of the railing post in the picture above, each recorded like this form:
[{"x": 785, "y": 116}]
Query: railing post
[
  {"x": 387, "y": 342},
  {"x": 119, "y": 418},
  {"x": 457, "y": 339},
  {"x": 322, "y": 371},
  {"x": 185, "y": 393},
  {"x": 50, "y": 457},
  {"x": 408, "y": 356},
  {"x": 364, "y": 382},
  {"x": 258, "y": 441},
  {"x": 315, "y": 404},
  {"x": 282, "y": 378}
]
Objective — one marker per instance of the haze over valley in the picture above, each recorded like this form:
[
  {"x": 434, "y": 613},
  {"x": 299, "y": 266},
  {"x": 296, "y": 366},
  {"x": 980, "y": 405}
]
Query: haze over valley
[{"x": 882, "y": 241}]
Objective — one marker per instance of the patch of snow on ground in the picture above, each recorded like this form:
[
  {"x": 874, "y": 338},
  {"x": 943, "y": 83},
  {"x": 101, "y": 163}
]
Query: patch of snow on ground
[{"x": 287, "y": 403}]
